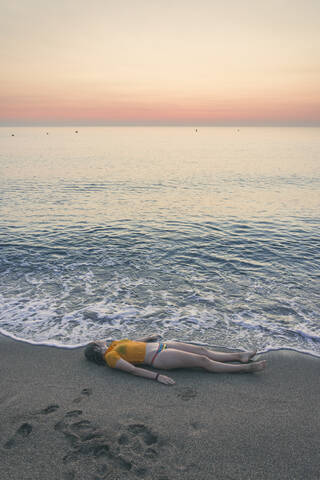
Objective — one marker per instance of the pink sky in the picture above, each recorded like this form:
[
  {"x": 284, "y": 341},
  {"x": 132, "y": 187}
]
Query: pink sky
[{"x": 139, "y": 61}]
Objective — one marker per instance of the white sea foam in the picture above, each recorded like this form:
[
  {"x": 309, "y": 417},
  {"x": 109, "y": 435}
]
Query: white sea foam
[{"x": 223, "y": 251}]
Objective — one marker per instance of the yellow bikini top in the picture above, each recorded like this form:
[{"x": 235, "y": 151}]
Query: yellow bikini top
[{"x": 129, "y": 350}]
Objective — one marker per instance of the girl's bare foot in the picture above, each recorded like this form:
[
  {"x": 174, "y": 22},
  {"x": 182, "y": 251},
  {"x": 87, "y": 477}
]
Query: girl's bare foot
[
  {"x": 256, "y": 366},
  {"x": 246, "y": 356}
]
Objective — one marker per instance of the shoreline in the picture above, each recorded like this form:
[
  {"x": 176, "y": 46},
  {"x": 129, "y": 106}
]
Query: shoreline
[
  {"x": 62, "y": 417},
  {"x": 217, "y": 347}
]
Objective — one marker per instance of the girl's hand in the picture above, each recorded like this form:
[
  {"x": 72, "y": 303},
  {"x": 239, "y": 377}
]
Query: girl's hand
[{"x": 166, "y": 380}]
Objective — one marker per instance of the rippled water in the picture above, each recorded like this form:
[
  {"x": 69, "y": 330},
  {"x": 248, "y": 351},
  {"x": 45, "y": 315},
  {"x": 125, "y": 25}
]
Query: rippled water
[{"x": 210, "y": 237}]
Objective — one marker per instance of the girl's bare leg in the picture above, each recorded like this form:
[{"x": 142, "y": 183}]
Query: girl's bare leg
[
  {"x": 243, "y": 357},
  {"x": 171, "y": 358}
]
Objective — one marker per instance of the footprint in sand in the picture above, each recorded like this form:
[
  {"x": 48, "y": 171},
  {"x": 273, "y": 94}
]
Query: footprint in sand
[
  {"x": 144, "y": 432},
  {"x": 138, "y": 442},
  {"x": 136, "y": 449},
  {"x": 85, "y": 439},
  {"x": 49, "y": 409},
  {"x": 23, "y": 432},
  {"x": 45, "y": 411},
  {"x": 187, "y": 393},
  {"x": 26, "y": 428},
  {"x": 85, "y": 393},
  {"x": 73, "y": 413}
]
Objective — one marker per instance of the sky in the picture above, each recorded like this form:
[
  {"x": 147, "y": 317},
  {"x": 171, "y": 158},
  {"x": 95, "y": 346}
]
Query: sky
[{"x": 160, "y": 62}]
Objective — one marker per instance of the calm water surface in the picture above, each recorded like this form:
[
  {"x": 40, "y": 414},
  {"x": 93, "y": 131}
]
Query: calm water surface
[{"x": 210, "y": 237}]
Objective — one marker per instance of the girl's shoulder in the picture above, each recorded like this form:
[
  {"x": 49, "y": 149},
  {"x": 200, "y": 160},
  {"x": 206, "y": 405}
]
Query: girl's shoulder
[
  {"x": 123, "y": 340},
  {"x": 115, "y": 343}
]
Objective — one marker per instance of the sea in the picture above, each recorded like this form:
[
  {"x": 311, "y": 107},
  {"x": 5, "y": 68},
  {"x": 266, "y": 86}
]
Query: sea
[{"x": 207, "y": 235}]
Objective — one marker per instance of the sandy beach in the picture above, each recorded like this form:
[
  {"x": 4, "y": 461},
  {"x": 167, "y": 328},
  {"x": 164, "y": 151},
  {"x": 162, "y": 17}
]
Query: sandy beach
[{"x": 64, "y": 418}]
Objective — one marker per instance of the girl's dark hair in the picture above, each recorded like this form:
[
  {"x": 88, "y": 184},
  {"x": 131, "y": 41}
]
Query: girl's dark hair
[{"x": 94, "y": 354}]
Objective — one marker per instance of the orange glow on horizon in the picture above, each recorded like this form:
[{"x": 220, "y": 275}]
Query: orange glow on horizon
[
  {"x": 158, "y": 62},
  {"x": 227, "y": 111}
]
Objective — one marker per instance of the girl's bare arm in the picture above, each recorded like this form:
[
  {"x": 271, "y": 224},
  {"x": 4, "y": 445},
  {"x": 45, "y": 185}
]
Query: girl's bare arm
[
  {"x": 142, "y": 372},
  {"x": 148, "y": 338}
]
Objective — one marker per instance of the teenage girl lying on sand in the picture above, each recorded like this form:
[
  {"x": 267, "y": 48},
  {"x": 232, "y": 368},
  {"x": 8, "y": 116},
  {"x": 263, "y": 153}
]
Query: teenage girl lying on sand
[{"x": 126, "y": 354}]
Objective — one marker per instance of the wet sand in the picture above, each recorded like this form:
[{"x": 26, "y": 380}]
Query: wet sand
[{"x": 64, "y": 418}]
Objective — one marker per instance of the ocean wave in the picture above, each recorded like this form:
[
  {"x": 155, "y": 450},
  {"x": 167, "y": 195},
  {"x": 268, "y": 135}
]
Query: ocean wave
[{"x": 119, "y": 240}]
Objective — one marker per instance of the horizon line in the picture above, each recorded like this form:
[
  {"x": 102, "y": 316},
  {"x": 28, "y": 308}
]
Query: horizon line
[{"x": 157, "y": 124}]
